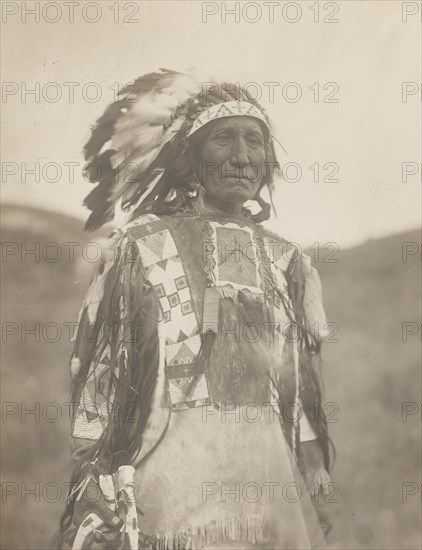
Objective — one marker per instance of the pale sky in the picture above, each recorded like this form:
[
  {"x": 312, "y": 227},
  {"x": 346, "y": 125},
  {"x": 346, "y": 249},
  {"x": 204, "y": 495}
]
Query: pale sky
[{"x": 368, "y": 133}]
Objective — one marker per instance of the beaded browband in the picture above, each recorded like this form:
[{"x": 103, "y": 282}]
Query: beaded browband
[{"x": 228, "y": 109}]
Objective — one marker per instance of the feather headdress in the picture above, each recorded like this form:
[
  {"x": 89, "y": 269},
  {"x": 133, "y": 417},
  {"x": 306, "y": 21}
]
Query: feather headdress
[{"x": 139, "y": 136}]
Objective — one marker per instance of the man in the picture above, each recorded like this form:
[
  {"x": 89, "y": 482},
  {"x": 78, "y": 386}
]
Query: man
[{"x": 193, "y": 359}]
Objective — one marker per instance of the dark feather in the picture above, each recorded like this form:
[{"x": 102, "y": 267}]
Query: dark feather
[
  {"x": 104, "y": 129},
  {"x": 101, "y": 165},
  {"x": 98, "y": 199},
  {"x": 150, "y": 82},
  {"x": 100, "y": 217}
]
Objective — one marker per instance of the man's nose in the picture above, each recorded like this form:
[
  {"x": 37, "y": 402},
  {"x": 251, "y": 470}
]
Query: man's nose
[{"x": 239, "y": 153}]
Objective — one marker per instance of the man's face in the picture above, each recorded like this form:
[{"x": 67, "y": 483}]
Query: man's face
[{"x": 231, "y": 160}]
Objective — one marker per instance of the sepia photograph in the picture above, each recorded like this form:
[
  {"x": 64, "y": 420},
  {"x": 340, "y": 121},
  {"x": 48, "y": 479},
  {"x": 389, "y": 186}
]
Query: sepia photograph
[{"x": 211, "y": 275}]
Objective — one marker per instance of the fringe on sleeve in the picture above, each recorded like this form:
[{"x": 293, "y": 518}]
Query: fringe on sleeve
[{"x": 305, "y": 292}]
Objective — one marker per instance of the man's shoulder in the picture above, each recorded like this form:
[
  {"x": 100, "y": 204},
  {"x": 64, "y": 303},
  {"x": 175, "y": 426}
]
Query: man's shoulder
[
  {"x": 144, "y": 225},
  {"x": 278, "y": 245},
  {"x": 272, "y": 235}
]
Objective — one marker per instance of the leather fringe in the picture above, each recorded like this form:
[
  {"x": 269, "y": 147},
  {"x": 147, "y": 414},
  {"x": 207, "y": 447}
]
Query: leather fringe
[{"x": 249, "y": 530}]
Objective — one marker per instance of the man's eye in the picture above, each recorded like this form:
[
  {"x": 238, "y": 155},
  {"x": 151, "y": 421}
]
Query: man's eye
[
  {"x": 224, "y": 137},
  {"x": 255, "y": 141}
]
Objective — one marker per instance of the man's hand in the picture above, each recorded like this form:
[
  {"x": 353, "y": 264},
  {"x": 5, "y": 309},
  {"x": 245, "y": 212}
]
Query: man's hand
[
  {"x": 75, "y": 367},
  {"x": 311, "y": 464}
]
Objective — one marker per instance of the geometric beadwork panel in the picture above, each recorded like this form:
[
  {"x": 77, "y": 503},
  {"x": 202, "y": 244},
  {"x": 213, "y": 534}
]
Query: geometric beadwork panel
[
  {"x": 92, "y": 414},
  {"x": 165, "y": 271},
  {"x": 279, "y": 252},
  {"x": 234, "y": 252},
  {"x": 184, "y": 351},
  {"x": 188, "y": 392}
]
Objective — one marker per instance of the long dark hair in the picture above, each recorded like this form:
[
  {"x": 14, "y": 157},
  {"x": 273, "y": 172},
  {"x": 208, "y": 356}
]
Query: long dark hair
[{"x": 127, "y": 318}]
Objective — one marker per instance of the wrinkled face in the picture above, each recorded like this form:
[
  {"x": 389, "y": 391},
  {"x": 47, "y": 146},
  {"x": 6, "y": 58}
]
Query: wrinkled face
[{"x": 231, "y": 159}]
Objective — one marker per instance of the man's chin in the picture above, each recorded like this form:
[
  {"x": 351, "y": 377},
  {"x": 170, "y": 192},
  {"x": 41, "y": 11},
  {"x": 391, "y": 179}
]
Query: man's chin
[
  {"x": 234, "y": 197},
  {"x": 238, "y": 190}
]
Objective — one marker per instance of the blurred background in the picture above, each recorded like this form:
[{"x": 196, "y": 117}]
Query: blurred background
[{"x": 362, "y": 231}]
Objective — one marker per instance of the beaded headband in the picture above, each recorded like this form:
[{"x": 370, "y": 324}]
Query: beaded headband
[{"x": 228, "y": 109}]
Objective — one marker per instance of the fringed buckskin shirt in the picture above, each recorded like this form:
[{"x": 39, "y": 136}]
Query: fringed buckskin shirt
[{"x": 217, "y": 466}]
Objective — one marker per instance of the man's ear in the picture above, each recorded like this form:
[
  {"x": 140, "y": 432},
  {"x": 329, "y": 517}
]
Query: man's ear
[
  {"x": 266, "y": 176},
  {"x": 271, "y": 165}
]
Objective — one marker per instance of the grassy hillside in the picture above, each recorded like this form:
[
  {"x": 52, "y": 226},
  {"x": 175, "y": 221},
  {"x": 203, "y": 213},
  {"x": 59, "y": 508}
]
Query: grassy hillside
[
  {"x": 35, "y": 374},
  {"x": 369, "y": 373}
]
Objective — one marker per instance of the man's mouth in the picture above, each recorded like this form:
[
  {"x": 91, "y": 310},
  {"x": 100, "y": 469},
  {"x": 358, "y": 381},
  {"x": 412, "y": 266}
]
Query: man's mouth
[{"x": 236, "y": 180}]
